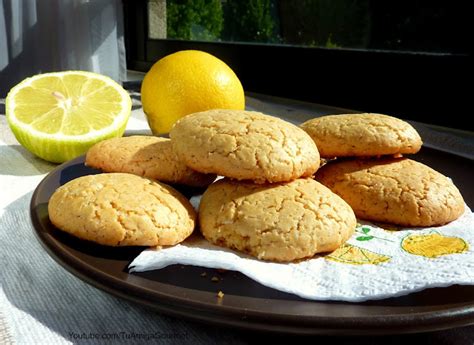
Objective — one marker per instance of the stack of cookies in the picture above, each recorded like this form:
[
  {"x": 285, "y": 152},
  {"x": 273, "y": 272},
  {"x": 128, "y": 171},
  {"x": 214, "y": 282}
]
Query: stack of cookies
[
  {"x": 373, "y": 177},
  {"x": 267, "y": 205}
]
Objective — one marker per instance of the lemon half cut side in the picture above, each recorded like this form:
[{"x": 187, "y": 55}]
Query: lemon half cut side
[{"x": 58, "y": 116}]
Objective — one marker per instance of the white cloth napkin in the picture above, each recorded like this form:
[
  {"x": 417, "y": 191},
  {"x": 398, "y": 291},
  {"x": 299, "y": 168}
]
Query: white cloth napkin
[{"x": 375, "y": 263}]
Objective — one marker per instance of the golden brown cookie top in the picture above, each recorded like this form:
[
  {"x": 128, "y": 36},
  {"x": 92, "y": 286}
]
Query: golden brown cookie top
[
  {"x": 399, "y": 191},
  {"x": 147, "y": 156},
  {"x": 277, "y": 222},
  {"x": 362, "y": 135},
  {"x": 119, "y": 209},
  {"x": 244, "y": 145}
]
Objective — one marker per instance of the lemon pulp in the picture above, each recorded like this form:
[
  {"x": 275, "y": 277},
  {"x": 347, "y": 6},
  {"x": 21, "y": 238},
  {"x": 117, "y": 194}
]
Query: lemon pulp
[{"x": 58, "y": 116}]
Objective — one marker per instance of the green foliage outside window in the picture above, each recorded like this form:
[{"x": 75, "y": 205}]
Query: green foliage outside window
[
  {"x": 250, "y": 21},
  {"x": 327, "y": 23},
  {"x": 362, "y": 24},
  {"x": 194, "y": 19}
]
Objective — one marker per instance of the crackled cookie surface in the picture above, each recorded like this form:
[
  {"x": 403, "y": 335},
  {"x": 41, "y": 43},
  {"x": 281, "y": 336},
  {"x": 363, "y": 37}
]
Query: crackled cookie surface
[
  {"x": 244, "y": 145},
  {"x": 399, "y": 191},
  {"x": 362, "y": 135},
  {"x": 119, "y": 209},
  {"x": 277, "y": 222},
  {"x": 147, "y": 156}
]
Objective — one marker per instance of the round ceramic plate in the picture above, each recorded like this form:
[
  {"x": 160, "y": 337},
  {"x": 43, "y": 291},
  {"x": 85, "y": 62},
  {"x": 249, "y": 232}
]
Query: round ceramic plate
[{"x": 190, "y": 292}]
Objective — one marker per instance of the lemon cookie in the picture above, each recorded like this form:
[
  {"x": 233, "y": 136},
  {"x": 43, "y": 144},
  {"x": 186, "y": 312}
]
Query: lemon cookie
[
  {"x": 147, "y": 156},
  {"x": 244, "y": 145},
  {"x": 399, "y": 191},
  {"x": 276, "y": 222},
  {"x": 362, "y": 135},
  {"x": 119, "y": 209}
]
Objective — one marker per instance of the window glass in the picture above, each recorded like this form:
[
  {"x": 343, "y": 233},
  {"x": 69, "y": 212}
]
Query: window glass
[{"x": 425, "y": 26}]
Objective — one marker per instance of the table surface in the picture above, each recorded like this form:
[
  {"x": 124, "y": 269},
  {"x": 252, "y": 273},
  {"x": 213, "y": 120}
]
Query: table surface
[{"x": 41, "y": 303}]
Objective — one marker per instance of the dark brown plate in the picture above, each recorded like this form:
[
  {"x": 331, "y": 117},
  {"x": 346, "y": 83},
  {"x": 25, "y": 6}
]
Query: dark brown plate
[{"x": 182, "y": 291}]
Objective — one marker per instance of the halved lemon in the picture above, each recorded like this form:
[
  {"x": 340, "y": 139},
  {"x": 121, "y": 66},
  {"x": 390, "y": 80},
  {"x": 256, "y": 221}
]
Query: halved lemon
[{"x": 58, "y": 116}]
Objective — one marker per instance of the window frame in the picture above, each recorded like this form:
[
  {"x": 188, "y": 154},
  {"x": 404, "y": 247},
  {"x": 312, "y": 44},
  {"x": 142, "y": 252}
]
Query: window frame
[{"x": 426, "y": 87}]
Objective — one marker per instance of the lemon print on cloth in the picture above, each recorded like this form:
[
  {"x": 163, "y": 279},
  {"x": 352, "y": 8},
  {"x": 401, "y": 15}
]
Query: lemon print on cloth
[
  {"x": 433, "y": 245},
  {"x": 349, "y": 254}
]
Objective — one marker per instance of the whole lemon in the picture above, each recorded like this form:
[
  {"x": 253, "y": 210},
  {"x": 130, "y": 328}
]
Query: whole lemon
[{"x": 186, "y": 82}]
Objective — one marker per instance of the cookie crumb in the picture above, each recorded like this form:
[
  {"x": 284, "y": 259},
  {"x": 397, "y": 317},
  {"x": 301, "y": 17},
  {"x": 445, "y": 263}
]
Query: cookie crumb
[
  {"x": 220, "y": 294},
  {"x": 215, "y": 279},
  {"x": 203, "y": 274}
]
